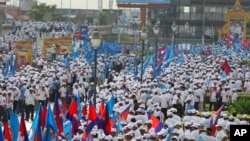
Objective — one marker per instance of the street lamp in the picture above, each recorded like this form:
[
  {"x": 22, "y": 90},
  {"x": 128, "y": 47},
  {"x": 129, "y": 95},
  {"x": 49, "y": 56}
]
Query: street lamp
[
  {"x": 143, "y": 35},
  {"x": 186, "y": 29},
  {"x": 156, "y": 30},
  {"x": 133, "y": 24},
  {"x": 95, "y": 41},
  {"x": 174, "y": 28}
]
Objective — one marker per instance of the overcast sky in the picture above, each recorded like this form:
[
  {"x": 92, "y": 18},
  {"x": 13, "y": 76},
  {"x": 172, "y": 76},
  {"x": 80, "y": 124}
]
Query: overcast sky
[{"x": 79, "y": 4}]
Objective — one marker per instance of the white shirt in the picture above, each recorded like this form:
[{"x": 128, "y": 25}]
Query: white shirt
[
  {"x": 9, "y": 101},
  {"x": 165, "y": 99},
  {"x": 220, "y": 135},
  {"x": 156, "y": 98},
  {"x": 195, "y": 135},
  {"x": 42, "y": 94},
  {"x": 234, "y": 97},
  {"x": 63, "y": 91},
  {"x": 225, "y": 96},
  {"x": 16, "y": 94},
  {"x": 29, "y": 98},
  {"x": 2, "y": 100}
]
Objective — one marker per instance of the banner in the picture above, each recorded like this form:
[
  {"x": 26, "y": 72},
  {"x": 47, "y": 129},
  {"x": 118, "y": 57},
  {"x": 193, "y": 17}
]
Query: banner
[
  {"x": 64, "y": 44},
  {"x": 23, "y": 51},
  {"x": 83, "y": 32},
  {"x": 47, "y": 45}
]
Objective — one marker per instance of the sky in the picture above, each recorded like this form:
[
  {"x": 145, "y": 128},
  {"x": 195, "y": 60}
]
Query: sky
[{"x": 79, "y": 4}]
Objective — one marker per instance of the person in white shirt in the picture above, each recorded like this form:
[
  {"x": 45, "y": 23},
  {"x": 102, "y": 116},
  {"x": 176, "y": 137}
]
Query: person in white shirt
[
  {"x": 164, "y": 103},
  {"x": 82, "y": 91},
  {"x": 2, "y": 100},
  {"x": 62, "y": 91},
  {"x": 9, "y": 103},
  {"x": 226, "y": 95},
  {"x": 197, "y": 97},
  {"x": 238, "y": 85},
  {"x": 42, "y": 95},
  {"x": 76, "y": 90},
  {"x": 244, "y": 120},
  {"x": 247, "y": 85},
  {"x": 30, "y": 103},
  {"x": 16, "y": 94},
  {"x": 234, "y": 95},
  {"x": 194, "y": 132},
  {"x": 220, "y": 135}
]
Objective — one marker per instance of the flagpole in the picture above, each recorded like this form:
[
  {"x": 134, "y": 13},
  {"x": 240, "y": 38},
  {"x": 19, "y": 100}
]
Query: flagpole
[{"x": 203, "y": 22}]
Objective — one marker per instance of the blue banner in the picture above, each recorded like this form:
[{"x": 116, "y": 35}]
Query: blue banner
[
  {"x": 144, "y": 1},
  {"x": 83, "y": 32}
]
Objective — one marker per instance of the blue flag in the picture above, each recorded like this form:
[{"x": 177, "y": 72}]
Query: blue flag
[
  {"x": 14, "y": 125},
  {"x": 1, "y": 134},
  {"x": 172, "y": 48},
  {"x": 13, "y": 65},
  {"x": 36, "y": 127},
  {"x": 7, "y": 67},
  {"x": 66, "y": 63},
  {"x": 50, "y": 125},
  {"x": 111, "y": 103}
]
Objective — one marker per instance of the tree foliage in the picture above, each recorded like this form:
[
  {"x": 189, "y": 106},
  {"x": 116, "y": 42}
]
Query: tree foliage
[
  {"x": 103, "y": 16},
  {"x": 43, "y": 12},
  {"x": 241, "y": 106}
]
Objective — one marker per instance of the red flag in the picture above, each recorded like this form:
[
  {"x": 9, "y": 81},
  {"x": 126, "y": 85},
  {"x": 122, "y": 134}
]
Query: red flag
[
  {"x": 226, "y": 67},
  {"x": 214, "y": 119},
  {"x": 43, "y": 116},
  {"x": 23, "y": 135},
  {"x": 7, "y": 132}
]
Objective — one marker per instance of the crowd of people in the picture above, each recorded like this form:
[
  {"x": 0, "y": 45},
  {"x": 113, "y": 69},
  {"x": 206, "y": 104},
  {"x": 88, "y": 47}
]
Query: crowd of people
[{"x": 176, "y": 97}]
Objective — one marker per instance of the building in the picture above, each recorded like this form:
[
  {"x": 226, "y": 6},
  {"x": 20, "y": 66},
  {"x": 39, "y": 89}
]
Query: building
[{"x": 205, "y": 17}]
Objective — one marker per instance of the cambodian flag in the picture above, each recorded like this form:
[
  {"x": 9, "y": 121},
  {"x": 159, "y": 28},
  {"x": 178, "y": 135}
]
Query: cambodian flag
[
  {"x": 43, "y": 115},
  {"x": 124, "y": 113},
  {"x": 58, "y": 116},
  {"x": 23, "y": 135},
  {"x": 225, "y": 67},
  {"x": 72, "y": 115},
  {"x": 7, "y": 131},
  {"x": 106, "y": 122},
  {"x": 156, "y": 124},
  {"x": 215, "y": 118},
  {"x": 92, "y": 119}
]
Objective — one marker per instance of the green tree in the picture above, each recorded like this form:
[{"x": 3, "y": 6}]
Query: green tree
[
  {"x": 103, "y": 17},
  {"x": 2, "y": 17},
  {"x": 43, "y": 12}
]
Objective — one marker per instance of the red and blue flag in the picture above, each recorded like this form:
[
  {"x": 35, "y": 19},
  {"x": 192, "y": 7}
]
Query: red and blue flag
[
  {"x": 214, "y": 119},
  {"x": 72, "y": 115},
  {"x": 124, "y": 114},
  {"x": 225, "y": 67},
  {"x": 156, "y": 124}
]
